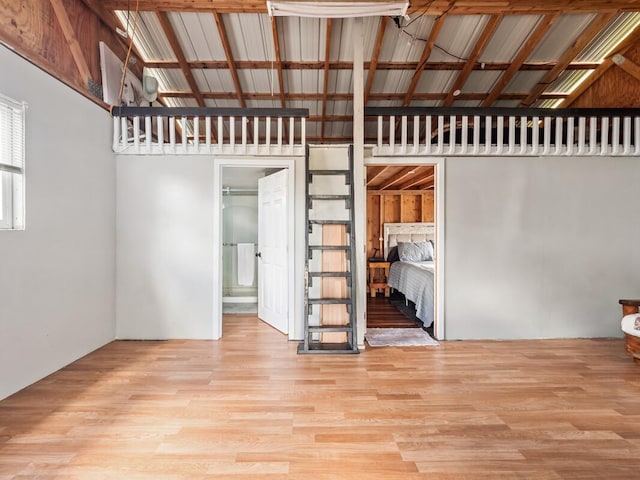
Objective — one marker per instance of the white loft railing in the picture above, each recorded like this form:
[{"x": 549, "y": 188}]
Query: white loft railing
[
  {"x": 505, "y": 131},
  {"x": 206, "y": 131}
]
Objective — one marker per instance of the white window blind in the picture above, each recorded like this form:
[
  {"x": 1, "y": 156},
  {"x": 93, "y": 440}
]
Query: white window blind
[{"x": 11, "y": 163}]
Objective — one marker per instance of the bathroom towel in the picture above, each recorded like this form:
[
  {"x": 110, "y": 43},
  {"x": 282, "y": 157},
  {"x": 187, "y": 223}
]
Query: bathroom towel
[{"x": 246, "y": 263}]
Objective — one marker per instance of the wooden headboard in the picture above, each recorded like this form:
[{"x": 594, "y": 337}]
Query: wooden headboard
[{"x": 407, "y": 232}]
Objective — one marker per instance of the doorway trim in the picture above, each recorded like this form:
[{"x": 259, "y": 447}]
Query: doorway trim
[
  {"x": 439, "y": 166},
  {"x": 255, "y": 162}
]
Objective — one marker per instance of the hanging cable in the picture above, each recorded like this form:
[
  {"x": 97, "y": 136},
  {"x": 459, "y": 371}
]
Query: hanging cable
[{"x": 132, "y": 35}]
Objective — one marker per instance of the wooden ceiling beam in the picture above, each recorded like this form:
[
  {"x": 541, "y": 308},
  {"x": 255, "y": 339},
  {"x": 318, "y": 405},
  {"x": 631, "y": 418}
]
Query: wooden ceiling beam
[
  {"x": 421, "y": 176},
  {"x": 325, "y": 88},
  {"x": 373, "y": 65},
  {"x": 627, "y": 65},
  {"x": 479, "y": 47},
  {"x": 397, "y": 177},
  {"x": 426, "y": 53},
  {"x": 346, "y": 97},
  {"x": 534, "y": 39},
  {"x": 596, "y": 25},
  {"x": 112, "y": 23},
  {"x": 163, "y": 18},
  {"x": 373, "y": 172},
  {"x": 222, "y": 31},
  {"x": 629, "y": 42},
  {"x": 276, "y": 46},
  {"x": 70, "y": 36},
  {"x": 292, "y": 65},
  {"x": 436, "y": 7}
]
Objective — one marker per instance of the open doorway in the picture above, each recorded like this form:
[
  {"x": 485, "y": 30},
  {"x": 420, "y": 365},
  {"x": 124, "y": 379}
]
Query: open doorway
[
  {"x": 401, "y": 209},
  {"x": 253, "y": 232}
]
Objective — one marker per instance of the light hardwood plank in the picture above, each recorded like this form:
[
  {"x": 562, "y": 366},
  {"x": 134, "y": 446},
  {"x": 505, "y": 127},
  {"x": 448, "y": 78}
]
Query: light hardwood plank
[{"x": 248, "y": 407}]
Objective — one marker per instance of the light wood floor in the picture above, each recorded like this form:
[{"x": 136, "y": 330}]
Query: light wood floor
[{"x": 249, "y": 407}]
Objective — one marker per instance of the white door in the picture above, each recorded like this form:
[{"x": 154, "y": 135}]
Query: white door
[{"x": 273, "y": 288}]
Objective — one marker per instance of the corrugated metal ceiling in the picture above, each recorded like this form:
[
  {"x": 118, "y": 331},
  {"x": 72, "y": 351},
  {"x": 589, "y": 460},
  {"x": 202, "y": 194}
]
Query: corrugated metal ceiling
[{"x": 303, "y": 43}]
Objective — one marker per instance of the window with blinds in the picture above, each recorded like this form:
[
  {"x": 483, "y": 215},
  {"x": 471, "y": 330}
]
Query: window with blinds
[{"x": 11, "y": 164}]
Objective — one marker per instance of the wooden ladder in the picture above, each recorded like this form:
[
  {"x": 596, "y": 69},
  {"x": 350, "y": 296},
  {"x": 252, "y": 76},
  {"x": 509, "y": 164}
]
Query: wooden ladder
[{"x": 330, "y": 319}]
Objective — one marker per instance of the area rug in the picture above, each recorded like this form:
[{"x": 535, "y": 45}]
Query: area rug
[{"x": 399, "y": 337}]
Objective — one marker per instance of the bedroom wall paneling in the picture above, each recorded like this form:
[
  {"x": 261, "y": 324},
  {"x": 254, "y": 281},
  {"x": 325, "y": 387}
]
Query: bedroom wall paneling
[
  {"x": 395, "y": 206},
  {"x": 57, "y": 280},
  {"x": 540, "y": 247}
]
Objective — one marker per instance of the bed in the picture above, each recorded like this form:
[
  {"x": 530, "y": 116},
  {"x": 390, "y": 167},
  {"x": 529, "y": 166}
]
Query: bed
[{"x": 413, "y": 276}]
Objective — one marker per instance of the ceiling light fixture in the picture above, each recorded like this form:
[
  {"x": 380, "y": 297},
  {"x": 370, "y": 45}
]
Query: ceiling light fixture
[{"x": 331, "y": 9}]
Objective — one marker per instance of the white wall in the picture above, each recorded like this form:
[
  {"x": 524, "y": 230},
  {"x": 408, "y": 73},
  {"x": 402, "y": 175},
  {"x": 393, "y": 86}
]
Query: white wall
[
  {"x": 540, "y": 247},
  {"x": 164, "y": 234},
  {"x": 57, "y": 277}
]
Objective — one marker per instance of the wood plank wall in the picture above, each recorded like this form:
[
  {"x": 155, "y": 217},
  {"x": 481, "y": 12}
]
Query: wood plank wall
[
  {"x": 399, "y": 206},
  {"x": 33, "y": 30}
]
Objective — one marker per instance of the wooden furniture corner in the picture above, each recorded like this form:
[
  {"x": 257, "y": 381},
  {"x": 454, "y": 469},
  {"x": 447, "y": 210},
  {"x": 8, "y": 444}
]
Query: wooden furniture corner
[
  {"x": 631, "y": 343},
  {"x": 378, "y": 277}
]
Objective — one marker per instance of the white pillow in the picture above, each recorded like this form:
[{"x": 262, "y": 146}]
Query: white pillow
[{"x": 415, "y": 252}]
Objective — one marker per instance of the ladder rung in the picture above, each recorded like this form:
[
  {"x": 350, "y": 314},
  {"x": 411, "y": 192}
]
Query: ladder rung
[
  {"x": 330, "y": 301},
  {"x": 329, "y": 274},
  {"x": 328, "y": 348},
  {"x": 330, "y": 222},
  {"x": 330, "y": 328},
  {"x": 329, "y": 197},
  {"x": 329, "y": 172}
]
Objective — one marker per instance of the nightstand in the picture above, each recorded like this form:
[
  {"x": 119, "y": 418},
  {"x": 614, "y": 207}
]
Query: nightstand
[{"x": 378, "y": 276}]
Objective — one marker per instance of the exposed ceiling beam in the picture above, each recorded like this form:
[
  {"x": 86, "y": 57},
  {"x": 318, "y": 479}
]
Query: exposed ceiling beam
[
  {"x": 111, "y": 21},
  {"x": 375, "y": 172},
  {"x": 325, "y": 91},
  {"x": 276, "y": 46},
  {"x": 421, "y": 177},
  {"x": 528, "y": 47},
  {"x": 227, "y": 51},
  {"x": 486, "y": 35},
  {"x": 436, "y": 7},
  {"x": 627, "y": 65},
  {"x": 348, "y": 96},
  {"x": 426, "y": 53},
  {"x": 397, "y": 178},
  {"x": 177, "y": 50},
  {"x": 373, "y": 65},
  {"x": 567, "y": 57},
  {"x": 292, "y": 65},
  {"x": 625, "y": 45},
  {"x": 70, "y": 36}
]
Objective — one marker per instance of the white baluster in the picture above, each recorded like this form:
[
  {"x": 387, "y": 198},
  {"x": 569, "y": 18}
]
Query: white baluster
[
  {"x": 427, "y": 134},
  {"x": 207, "y": 132},
  {"x": 148, "y": 132},
  {"x": 615, "y": 136},
  {"x": 465, "y": 134},
  {"x": 535, "y": 135},
  {"x": 593, "y": 135},
  {"x": 558, "y": 135},
  {"x": 196, "y": 133},
  {"x": 476, "y": 134},
  {"x": 416, "y": 132},
  {"x": 627, "y": 136},
  {"x": 440, "y": 133},
  {"x": 570, "y": 140},
  {"x": 403, "y": 135},
  {"x": 604, "y": 138},
  {"x": 547, "y": 136},
  {"x": 582, "y": 127},
  {"x": 136, "y": 134},
  {"x": 500, "y": 134}
]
